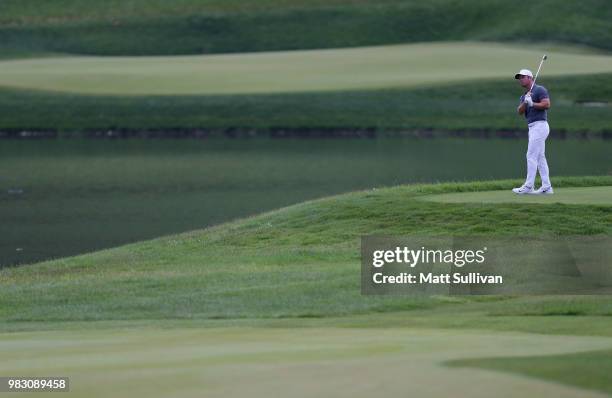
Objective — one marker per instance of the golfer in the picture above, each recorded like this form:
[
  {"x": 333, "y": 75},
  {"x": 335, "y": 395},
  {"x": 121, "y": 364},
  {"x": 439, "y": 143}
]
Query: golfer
[{"x": 533, "y": 105}]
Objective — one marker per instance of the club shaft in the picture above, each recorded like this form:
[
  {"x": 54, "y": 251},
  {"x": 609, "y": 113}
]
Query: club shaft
[{"x": 537, "y": 73}]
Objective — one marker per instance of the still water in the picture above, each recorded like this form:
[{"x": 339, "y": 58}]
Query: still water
[{"x": 64, "y": 197}]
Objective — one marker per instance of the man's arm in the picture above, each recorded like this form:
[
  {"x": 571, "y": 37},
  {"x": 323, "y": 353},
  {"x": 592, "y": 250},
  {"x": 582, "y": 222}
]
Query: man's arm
[{"x": 544, "y": 104}]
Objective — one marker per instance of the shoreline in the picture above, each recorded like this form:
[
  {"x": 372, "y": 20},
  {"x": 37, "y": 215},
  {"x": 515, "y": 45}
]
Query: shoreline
[{"x": 289, "y": 133}]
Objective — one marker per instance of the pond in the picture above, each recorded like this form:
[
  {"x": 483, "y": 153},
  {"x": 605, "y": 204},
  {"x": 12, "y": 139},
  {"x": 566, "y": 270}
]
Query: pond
[{"x": 64, "y": 197}]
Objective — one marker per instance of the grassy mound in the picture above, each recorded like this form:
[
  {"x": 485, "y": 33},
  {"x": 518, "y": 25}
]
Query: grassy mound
[
  {"x": 300, "y": 261},
  {"x": 140, "y": 27}
]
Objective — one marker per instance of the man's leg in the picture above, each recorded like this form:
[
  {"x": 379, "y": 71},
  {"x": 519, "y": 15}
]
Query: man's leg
[
  {"x": 534, "y": 148},
  {"x": 543, "y": 166}
]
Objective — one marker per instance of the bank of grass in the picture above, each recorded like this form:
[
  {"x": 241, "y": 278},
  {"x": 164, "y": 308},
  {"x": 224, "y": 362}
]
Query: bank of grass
[
  {"x": 139, "y": 27},
  {"x": 479, "y": 106},
  {"x": 297, "y": 262}
]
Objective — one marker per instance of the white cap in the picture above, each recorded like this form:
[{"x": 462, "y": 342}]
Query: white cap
[{"x": 523, "y": 72}]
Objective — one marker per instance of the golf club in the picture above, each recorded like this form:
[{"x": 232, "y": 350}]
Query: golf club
[{"x": 544, "y": 57}]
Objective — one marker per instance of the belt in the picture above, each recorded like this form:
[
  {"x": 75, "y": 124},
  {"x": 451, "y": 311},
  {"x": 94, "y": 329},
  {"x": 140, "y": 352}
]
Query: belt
[{"x": 537, "y": 121}]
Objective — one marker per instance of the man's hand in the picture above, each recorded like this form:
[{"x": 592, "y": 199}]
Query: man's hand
[{"x": 527, "y": 100}]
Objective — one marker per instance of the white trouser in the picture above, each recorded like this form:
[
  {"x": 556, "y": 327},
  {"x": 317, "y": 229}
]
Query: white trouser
[{"x": 536, "y": 158}]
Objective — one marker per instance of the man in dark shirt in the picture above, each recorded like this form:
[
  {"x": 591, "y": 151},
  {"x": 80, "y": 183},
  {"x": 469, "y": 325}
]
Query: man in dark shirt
[{"x": 533, "y": 104}]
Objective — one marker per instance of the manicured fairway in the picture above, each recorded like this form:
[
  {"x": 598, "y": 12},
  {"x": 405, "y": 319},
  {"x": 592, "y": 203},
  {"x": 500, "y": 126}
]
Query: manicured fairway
[
  {"x": 292, "y": 71},
  {"x": 296, "y": 362},
  {"x": 580, "y": 196}
]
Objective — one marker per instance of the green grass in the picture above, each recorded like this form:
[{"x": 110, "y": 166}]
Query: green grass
[
  {"x": 581, "y": 196},
  {"x": 590, "y": 370},
  {"x": 399, "y": 66},
  {"x": 301, "y": 261},
  {"x": 279, "y": 294},
  {"x": 450, "y": 107},
  {"x": 232, "y": 362},
  {"x": 139, "y": 27}
]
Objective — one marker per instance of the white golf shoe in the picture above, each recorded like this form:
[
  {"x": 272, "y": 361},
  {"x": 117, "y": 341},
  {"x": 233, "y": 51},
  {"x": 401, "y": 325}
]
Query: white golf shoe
[
  {"x": 543, "y": 191},
  {"x": 523, "y": 190}
]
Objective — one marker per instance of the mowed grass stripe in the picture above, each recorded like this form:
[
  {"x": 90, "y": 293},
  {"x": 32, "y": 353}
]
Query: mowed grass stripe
[
  {"x": 285, "y": 361},
  {"x": 579, "y": 196},
  {"x": 414, "y": 65}
]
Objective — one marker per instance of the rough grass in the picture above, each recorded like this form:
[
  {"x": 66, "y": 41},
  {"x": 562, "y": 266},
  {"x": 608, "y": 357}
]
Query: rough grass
[
  {"x": 139, "y": 27},
  {"x": 300, "y": 261},
  {"x": 452, "y": 107}
]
